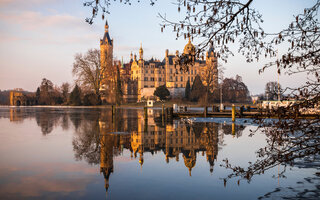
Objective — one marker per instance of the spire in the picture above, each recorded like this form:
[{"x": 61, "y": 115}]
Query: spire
[
  {"x": 106, "y": 27},
  {"x": 141, "y": 52},
  {"x": 106, "y": 38}
]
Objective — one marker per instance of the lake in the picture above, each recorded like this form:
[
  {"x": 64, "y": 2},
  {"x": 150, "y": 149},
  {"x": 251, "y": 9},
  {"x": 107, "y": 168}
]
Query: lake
[{"x": 86, "y": 153}]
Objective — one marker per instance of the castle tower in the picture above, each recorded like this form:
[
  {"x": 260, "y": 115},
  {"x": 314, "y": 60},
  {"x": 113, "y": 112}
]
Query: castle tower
[
  {"x": 106, "y": 57},
  {"x": 212, "y": 64}
]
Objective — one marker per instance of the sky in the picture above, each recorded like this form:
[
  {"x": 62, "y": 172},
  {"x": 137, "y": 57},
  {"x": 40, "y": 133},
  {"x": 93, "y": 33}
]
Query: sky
[{"x": 39, "y": 39}]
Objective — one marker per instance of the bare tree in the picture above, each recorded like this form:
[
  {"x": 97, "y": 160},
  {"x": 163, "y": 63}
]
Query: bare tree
[
  {"x": 46, "y": 92},
  {"x": 234, "y": 90},
  {"x": 273, "y": 90},
  {"x": 209, "y": 77},
  {"x": 88, "y": 70},
  {"x": 65, "y": 88}
]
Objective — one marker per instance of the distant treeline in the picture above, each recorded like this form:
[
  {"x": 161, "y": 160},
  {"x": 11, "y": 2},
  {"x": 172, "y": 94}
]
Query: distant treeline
[{"x": 49, "y": 94}]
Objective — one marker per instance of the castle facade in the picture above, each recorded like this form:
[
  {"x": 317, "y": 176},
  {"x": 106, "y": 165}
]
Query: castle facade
[{"x": 141, "y": 77}]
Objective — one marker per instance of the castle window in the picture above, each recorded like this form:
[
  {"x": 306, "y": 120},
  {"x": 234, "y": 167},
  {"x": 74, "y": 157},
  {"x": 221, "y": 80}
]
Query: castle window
[
  {"x": 195, "y": 71},
  {"x": 170, "y": 71},
  {"x": 170, "y": 78},
  {"x": 146, "y": 71},
  {"x": 176, "y": 78},
  {"x": 192, "y": 71},
  {"x": 152, "y": 79},
  {"x": 191, "y": 79},
  {"x": 152, "y": 86},
  {"x": 146, "y": 78},
  {"x": 145, "y": 86},
  {"x": 188, "y": 78},
  {"x": 181, "y": 85},
  {"x": 159, "y": 79},
  {"x": 181, "y": 78},
  {"x": 152, "y": 71}
]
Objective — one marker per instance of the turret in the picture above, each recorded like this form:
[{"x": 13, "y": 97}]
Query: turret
[
  {"x": 167, "y": 53},
  {"x": 141, "y": 53}
]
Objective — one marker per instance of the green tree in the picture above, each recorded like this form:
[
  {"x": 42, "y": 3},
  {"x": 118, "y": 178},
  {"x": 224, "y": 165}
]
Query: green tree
[
  {"x": 75, "y": 96},
  {"x": 162, "y": 92},
  {"x": 198, "y": 89},
  {"x": 187, "y": 91}
]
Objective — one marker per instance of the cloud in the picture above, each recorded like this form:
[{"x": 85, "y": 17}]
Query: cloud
[
  {"x": 31, "y": 20},
  {"x": 23, "y": 3},
  {"x": 56, "y": 28}
]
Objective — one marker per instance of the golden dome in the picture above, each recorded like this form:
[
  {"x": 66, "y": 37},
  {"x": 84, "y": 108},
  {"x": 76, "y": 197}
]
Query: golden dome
[{"x": 189, "y": 48}]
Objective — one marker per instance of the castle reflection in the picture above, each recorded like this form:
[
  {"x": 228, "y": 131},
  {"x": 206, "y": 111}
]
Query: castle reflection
[
  {"x": 128, "y": 129},
  {"x": 99, "y": 136}
]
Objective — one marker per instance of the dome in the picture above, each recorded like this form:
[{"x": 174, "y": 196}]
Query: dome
[{"x": 189, "y": 48}]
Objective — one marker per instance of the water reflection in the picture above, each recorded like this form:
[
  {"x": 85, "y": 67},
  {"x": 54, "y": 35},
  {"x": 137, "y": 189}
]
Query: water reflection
[
  {"x": 99, "y": 139},
  {"x": 127, "y": 129}
]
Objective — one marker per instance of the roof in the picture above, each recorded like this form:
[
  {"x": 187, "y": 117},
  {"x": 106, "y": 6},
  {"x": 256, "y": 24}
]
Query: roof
[
  {"x": 106, "y": 38},
  {"x": 170, "y": 57}
]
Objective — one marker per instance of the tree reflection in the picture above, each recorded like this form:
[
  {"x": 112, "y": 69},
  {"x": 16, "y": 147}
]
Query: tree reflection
[
  {"x": 308, "y": 188},
  {"x": 286, "y": 145},
  {"x": 86, "y": 143},
  {"x": 47, "y": 119}
]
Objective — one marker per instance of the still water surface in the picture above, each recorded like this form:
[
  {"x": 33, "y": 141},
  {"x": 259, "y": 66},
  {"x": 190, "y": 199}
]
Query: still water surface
[{"x": 60, "y": 153}]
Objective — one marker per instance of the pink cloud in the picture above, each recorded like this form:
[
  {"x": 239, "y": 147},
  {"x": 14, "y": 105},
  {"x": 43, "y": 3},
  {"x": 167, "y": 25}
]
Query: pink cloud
[
  {"x": 31, "y": 20},
  {"x": 23, "y": 3}
]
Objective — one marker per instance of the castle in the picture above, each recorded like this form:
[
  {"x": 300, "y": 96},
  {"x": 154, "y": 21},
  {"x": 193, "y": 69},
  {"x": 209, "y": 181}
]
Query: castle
[{"x": 141, "y": 77}]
